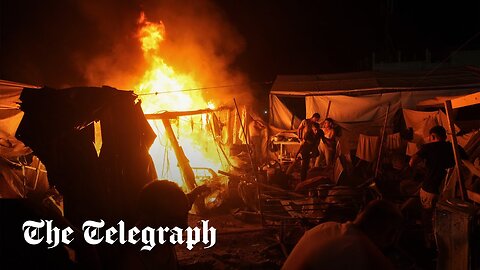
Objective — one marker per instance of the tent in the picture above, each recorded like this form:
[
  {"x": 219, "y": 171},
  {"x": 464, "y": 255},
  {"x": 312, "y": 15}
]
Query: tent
[
  {"x": 10, "y": 114},
  {"x": 359, "y": 101}
]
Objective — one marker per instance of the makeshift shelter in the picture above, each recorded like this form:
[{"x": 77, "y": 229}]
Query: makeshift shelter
[
  {"x": 17, "y": 176},
  {"x": 57, "y": 125},
  {"x": 359, "y": 101},
  {"x": 10, "y": 113}
]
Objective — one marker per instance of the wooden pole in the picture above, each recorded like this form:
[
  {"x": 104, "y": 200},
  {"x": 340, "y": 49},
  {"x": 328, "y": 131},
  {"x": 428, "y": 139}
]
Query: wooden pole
[
  {"x": 254, "y": 167},
  {"x": 246, "y": 140},
  {"x": 172, "y": 115},
  {"x": 183, "y": 163},
  {"x": 328, "y": 109},
  {"x": 456, "y": 155},
  {"x": 382, "y": 138}
]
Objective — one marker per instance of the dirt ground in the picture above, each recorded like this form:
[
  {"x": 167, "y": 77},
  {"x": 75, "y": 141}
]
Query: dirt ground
[{"x": 240, "y": 245}]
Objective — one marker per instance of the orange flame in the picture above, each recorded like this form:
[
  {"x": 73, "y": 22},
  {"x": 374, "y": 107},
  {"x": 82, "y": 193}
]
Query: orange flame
[{"x": 163, "y": 89}]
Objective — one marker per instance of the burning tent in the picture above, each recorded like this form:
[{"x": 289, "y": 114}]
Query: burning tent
[
  {"x": 204, "y": 137},
  {"x": 20, "y": 172}
]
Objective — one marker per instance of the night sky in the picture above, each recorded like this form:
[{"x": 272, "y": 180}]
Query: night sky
[{"x": 50, "y": 42}]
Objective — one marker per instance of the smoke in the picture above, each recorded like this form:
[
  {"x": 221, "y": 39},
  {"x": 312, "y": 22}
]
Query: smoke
[
  {"x": 200, "y": 42},
  {"x": 118, "y": 60}
]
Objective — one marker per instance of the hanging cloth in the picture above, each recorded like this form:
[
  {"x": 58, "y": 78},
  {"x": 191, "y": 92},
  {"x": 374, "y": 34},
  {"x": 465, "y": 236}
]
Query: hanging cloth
[
  {"x": 367, "y": 147},
  {"x": 393, "y": 141}
]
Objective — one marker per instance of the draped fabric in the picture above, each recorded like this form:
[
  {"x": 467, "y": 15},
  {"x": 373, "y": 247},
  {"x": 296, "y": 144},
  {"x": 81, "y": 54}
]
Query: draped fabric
[
  {"x": 422, "y": 122},
  {"x": 393, "y": 141},
  {"x": 281, "y": 116},
  {"x": 367, "y": 147},
  {"x": 10, "y": 114},
  {"x": 359, "y": 114},
  {"x": 354, "y": 109}
]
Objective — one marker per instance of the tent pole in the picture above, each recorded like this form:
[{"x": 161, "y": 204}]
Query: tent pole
[
  {"x": 328, "y": 109},
  {"x": 382, "y": 138},
  {"x": 252, "y": 162},
  {"x": 456, "y": 155}
]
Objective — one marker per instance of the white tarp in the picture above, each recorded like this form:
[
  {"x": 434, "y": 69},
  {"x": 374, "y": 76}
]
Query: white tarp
[
  {"x": 422, "y": 122},
  {"x": 281, "y": 116},
  {"x": 353, "y": 109}
]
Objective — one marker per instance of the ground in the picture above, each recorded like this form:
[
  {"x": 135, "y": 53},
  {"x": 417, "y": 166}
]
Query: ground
[{"x": 240, "y": 245}]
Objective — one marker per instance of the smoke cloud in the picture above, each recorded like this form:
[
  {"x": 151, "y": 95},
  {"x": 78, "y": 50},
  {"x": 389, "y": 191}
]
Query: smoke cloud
[
  {"x": 74, "y": 43},
  {"x": 200, "y": 42}
]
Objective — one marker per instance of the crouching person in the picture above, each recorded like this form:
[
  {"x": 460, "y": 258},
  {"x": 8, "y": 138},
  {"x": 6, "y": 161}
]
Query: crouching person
[{"x": 350, "y": 245}]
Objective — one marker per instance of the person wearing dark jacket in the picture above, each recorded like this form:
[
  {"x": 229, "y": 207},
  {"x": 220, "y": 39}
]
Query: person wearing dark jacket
[{"x": 309, "y": 148}]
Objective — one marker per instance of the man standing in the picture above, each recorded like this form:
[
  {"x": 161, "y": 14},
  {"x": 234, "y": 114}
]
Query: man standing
[
  {"x": 306, "y": 125},
  {"x": 309, "y": 147},
  {"x": 438, "y": 156}
]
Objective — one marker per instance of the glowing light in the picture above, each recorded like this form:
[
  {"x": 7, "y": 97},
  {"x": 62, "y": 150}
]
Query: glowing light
[{"x": 193, "y": 132}]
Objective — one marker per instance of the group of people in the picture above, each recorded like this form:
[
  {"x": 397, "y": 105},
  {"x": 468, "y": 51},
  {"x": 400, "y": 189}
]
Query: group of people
[
  {"x": 317, "y": 141},
  {"x": 361, "y": 241}
]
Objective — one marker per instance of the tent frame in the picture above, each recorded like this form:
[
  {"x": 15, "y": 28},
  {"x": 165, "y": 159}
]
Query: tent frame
[{"x": 465, "y": 101}]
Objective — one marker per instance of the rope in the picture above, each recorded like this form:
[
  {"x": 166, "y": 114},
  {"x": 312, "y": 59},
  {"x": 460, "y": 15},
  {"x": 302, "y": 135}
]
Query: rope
[{"x": 203, "y": 88}]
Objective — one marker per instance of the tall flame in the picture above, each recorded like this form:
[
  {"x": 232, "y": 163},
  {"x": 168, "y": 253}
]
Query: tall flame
[{"x": 163, "y": 89}]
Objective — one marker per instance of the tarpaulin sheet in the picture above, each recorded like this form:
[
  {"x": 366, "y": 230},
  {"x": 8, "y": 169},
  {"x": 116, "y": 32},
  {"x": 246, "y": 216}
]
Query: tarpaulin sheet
[
  {"x": 367, "y": 147},
  {"x": 354, "y": 109},
  {"x": 9, "y": 121},
  {"x": 422, "y": 122},
  {"x": 355, "y": 115},
  {"x": 281, "y": 116}
]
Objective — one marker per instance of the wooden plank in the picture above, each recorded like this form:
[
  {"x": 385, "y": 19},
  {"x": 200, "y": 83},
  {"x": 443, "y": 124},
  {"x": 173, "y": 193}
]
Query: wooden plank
[
  {"x": 183, "y": 163},
  {"x": 467, "y": 100},
  {"x": 172, "y": 115}
]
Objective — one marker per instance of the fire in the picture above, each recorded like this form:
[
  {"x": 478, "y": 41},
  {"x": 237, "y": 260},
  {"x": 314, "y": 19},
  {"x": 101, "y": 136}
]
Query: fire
[{"x": 163, "y": 89}]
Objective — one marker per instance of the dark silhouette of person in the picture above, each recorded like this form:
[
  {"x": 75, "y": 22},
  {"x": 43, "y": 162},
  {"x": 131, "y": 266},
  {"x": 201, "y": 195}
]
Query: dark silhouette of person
[{"x": 350, "y": 245}]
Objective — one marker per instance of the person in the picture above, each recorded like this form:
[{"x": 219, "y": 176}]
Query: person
[
  {"x": 309, "y": 148},
  {"x": 328, "y": 144},
  {"x": 350, "y": 245},
  {"x": 156, "y": 210},
  {"x": 306, "y": 125},
  {"x": 438, "y": 156},
  {"x": 256, "y": 132}
]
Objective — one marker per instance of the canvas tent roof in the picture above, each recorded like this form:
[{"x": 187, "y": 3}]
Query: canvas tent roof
[
  {"x": 369, "y": 82},
  {"x": 359, "y": 101}
]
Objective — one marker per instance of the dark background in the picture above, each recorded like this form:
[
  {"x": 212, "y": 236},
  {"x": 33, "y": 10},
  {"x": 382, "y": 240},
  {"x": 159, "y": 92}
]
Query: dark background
[{"x": 48, "y": 42}]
